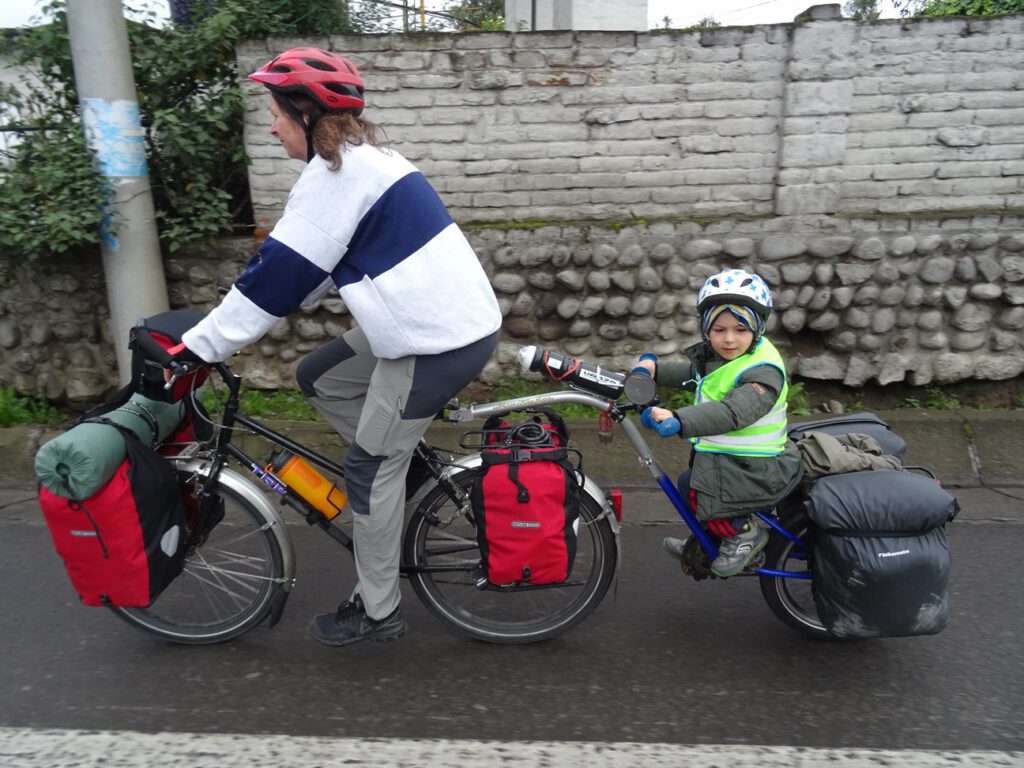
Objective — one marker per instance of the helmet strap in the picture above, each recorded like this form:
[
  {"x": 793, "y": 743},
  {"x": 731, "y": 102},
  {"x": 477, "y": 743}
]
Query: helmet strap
[
  {"x": 309, "y": 124},
  {"x": 307, "y": 121}
]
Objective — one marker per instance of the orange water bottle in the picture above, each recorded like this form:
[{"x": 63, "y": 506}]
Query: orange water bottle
[{"x": 307, "y": 483}]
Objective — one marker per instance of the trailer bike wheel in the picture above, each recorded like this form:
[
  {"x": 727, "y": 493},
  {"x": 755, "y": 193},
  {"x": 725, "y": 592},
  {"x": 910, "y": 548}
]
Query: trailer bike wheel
[
  {"x": 791, "y": 599},
  {"x": 228, "y": 583},
  {"x": 441, "y": 536}
]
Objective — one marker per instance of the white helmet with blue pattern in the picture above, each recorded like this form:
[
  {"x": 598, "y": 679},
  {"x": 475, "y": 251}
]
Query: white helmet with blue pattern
[
  {"x": 736, "y": 286},
  {"x": 742, "y": 293}
]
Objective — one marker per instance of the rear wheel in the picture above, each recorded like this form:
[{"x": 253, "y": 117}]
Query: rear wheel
[
  {"x": 228, "y": 583},
  {"x": 791, "y": 599},
  {"x": 441, "y": 536}
]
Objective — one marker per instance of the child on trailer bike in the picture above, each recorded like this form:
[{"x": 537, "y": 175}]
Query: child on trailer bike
[{"x": 742, "y": 460}]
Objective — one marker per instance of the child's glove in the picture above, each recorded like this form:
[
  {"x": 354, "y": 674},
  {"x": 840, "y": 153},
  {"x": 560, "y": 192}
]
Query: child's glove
[{"x": 666, "y": 428}]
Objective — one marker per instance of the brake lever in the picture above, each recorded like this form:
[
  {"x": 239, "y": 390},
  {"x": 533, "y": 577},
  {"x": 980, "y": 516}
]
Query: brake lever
[{"x": 177, "y": 371}]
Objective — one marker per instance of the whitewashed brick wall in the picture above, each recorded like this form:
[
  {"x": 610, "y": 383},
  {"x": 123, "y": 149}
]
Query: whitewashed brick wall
[{"x": 827, "y": 117}]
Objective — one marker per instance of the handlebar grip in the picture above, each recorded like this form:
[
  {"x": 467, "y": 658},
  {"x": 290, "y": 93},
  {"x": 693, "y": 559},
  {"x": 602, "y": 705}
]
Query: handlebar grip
[
  {"x": 152, "y": 348},
  {"x": 669, "y": 427},
  {"x": 647, "y": 419},
  {"x": 666, "y": 428}
]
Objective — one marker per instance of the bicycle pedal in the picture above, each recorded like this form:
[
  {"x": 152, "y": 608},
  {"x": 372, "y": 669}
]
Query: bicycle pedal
[{"x": 757, "y": 562}]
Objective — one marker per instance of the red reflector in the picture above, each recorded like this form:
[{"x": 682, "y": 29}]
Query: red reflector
[{"x": 615, "y": 496}]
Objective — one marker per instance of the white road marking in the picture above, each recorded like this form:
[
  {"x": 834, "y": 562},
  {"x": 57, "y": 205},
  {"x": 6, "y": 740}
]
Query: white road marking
[{"x": 35, "y": 748}]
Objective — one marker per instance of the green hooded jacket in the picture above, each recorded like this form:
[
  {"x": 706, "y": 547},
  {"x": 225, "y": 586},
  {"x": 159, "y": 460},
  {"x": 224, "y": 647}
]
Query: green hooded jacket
[{"x": 729, "y": 485}]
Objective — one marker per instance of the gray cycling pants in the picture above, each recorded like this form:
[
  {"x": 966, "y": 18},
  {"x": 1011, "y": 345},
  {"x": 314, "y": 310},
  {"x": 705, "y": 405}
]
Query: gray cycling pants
[{"x": 382, "y": 408}]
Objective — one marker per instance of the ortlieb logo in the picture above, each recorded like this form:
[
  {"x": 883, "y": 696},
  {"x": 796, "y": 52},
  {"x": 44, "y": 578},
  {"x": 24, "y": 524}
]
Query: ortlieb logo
[
  {"x": 525, "y": 524},
  {"x": 894, "y": 554},
  {"x": 83, "y": 533}
]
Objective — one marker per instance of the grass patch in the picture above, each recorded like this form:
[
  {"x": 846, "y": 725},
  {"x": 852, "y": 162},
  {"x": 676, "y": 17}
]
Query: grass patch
[
  {"x": 16, "y": 409},
  {"x": 286, "y": 404},
  {"x": 934, "y": 399}
]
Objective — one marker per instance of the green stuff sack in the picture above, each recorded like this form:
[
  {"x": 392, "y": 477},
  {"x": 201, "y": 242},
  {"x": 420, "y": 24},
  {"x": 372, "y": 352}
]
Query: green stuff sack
[{"x": 79, "y": 462}]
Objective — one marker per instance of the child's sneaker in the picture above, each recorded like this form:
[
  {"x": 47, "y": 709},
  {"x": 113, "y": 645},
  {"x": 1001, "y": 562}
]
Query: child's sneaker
[
  {"x": 674, "y": 547},
  {"x": 736, "y": 552}
]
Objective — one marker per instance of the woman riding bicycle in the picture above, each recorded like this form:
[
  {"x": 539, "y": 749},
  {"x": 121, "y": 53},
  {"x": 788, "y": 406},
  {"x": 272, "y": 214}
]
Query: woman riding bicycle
[{"x": 364, "y": 220}]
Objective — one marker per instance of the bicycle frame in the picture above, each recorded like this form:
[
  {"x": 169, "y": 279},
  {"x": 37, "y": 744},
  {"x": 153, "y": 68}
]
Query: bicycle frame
[
  {"x": 225, "y": 447},
  {"x": 618, "y": 413}
]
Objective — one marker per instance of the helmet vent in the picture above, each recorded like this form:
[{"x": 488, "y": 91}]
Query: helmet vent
[
  {"x": 342, "y": 89},
  {"x": 280, "y": 68},
  {"x": 321, "y": 65}
]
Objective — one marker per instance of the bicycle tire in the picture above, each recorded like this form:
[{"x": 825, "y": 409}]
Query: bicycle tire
[
  {"x": 497, "y": 616},
  {"x": 228, "y": 583},
  {"x": 792, "y": 600}
]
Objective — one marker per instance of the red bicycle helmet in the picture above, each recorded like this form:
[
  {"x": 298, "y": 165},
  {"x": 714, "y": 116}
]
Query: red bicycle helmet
[{"x": 329, "y": 79}]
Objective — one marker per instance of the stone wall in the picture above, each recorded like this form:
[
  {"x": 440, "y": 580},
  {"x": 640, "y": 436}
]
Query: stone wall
[
  {"x": 871, "y": 172},
  {"x": 921, "y": 303}
]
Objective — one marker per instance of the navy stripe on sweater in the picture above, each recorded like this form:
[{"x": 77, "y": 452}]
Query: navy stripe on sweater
[
  {"x": 404, "y": 219},
  {"x": 278, "y": 278}
]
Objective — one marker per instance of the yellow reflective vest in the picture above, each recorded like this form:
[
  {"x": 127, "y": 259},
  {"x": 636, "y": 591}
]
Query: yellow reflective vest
[{"x": 767, "y": 435}]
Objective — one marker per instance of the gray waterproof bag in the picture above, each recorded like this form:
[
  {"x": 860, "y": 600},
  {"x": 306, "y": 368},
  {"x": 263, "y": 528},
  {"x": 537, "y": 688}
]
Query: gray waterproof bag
[{"x": 881, "y": 557}]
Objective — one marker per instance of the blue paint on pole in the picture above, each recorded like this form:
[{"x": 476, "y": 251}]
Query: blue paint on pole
[
  {"x": 114, "y": 130},
  {"x": 107, "y": 232}
]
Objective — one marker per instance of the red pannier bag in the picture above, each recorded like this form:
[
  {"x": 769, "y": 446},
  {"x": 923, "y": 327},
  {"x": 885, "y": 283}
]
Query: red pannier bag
[
  {"x": 124, "y": 544},
  {"x": 526, "y": 507}
]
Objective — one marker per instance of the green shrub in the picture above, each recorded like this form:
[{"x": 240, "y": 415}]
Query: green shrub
[
  {"x": 16, "y": 409},
  {"x": 53, "y": 197}
]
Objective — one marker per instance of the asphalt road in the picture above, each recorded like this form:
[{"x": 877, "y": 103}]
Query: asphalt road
[{"x": 664, "y": 659}]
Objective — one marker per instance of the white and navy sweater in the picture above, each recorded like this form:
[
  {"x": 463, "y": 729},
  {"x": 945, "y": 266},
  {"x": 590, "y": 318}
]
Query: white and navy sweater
[{"x": 377, "y": 231}]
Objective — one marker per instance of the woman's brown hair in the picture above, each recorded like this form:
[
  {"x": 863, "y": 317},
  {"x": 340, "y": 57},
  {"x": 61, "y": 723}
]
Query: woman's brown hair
[{"x": 333, "y": 130}]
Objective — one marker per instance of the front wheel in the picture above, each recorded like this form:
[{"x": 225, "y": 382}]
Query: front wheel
[
  {"x": 442, "y": 558},
  {"x": 791, "y": 599},
  {"x": 229, "y": 581}
]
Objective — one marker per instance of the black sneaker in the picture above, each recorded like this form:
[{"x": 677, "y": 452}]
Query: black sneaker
[{"x": 350, "y": 624}]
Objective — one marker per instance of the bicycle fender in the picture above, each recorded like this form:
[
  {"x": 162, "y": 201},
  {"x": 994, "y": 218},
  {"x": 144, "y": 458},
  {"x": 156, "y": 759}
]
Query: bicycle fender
[{"x": 245, "y": 489}]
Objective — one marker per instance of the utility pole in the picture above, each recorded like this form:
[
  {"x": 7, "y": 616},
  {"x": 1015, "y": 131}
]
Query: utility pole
[{"x": 132, "y": 264}]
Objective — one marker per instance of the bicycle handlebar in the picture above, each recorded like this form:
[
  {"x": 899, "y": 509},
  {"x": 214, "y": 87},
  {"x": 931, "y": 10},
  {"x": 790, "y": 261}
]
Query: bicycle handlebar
[
  {"x": 568, "y": 370},
  {"x": 153, "y": 349},
  {"x": 638, "y": 386}
]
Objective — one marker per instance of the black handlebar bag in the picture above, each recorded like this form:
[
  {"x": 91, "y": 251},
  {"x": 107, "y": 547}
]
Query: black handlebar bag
[{"x": 149, "y": 341}]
